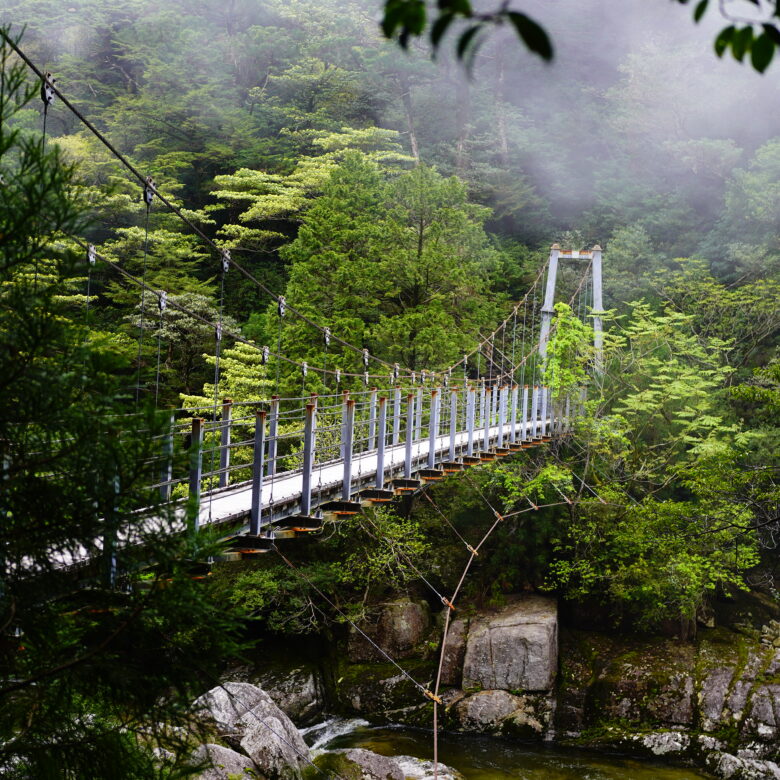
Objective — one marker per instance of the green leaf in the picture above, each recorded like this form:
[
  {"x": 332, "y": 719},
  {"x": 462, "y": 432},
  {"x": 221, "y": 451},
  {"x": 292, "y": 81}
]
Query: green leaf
[
  {"x": 724, "y": 39},
  {"x": 761, "y": 52},
  {"x": 440, "y": 27},
  {"x": 740, "y": 43},
  {"x": 534, "y": 36},
  {"x": 700, "y": 10},
  {"x": 466, "y": 39},
  {"x": 773, "y": 33}
]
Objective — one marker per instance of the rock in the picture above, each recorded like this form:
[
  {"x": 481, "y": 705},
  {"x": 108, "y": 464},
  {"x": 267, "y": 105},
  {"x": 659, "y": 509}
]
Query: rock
[
  {"x": 764, "y": 717},
  {"x": 418, "y": 769},
  {"x": 248, "y": 718},
  {"x": 297, "y": 691},
  {"x": 515, "y": 648},
  {"x": 226, "y": 704},
  {"x": 731, "y": 767},
  {"x": 401, "y": 626},
  {"x": 712, "y": 696},
  {"x": 666, "y": 742},
  {"x": 223, "y": 763},
  {"x": 485, "y": 711},
  {"x": 358, "y": 764},
  {"x": 454, "y": 653}
]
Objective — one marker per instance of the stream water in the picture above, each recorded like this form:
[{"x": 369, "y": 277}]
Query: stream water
[{"x": 483, "y": 758}]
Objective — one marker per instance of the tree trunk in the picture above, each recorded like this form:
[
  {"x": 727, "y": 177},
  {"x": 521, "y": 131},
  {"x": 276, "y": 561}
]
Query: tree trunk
[{"x": 406, "y": 98}]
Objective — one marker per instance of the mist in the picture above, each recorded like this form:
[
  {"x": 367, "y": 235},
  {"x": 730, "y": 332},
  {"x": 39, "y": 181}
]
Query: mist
[{"x": 636, "y": 124}]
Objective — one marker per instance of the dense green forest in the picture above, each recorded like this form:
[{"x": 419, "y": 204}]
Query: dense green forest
[{"x": 405, "y": 204}]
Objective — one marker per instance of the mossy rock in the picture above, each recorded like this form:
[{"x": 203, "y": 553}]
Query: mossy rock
[{"x": 370, "y": 689}]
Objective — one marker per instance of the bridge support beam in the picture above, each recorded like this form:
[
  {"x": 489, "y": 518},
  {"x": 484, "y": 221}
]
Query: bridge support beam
[
  {"x": 256, "y": 507},
  {"x": 549, "y": 298},
  {"x": 309, "y": 433},
  {"x": 196, "y": 471},
  {"x": 224, "y": 443},
  {"x": 598, "y": 307},
  {"x": 381, "y": 438}
]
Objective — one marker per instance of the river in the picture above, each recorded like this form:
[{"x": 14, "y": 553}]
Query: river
[{"x": 484, "y": 758}]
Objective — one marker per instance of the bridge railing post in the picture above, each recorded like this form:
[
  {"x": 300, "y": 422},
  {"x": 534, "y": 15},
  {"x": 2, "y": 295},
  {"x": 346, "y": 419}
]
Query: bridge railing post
[
  {"x": 433, "y": 428},
  {"x": 273, "y": 435},
  {"x": 513, "y": 416},
  {"x": 409, "y": 436},
  {"x": 567, "y": 414},
  {"x": 309, "y": 436},
  {"x": 501, "y": 415},
  {"x": 486, "y": 419},
  {"x": 224, "y": 443},
  {"x": 196, "y": 472},
  {"x": 344, "y": 400},
  {"x": 372, "y": 420},
  {"x": 471, "y": 404},
  {"x": 543, "y": 415},
  {"x": 349, "y": 438},
  {"x": 258, "y": 466},
  {"x": 453, "y": 420},
  {"x": 493, "y": 405},
  {"x": 524, "y": 416},
  {"x": 381, "y": 439},
  {"x": 166, "y": 469},
  {"x": 397, "y": 416},
  {"x": 419, "y": 412},
  {"x": 534, "y": 410}
]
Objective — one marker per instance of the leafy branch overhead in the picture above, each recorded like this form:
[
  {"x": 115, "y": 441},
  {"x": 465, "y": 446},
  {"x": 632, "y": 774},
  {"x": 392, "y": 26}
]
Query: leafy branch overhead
[{"x": 755, "y": 35}]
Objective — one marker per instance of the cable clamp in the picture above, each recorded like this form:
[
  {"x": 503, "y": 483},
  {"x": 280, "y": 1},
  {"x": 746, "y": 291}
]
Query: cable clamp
[
  {"x": 148, "y": 191},
  {"x": 91, "y": 254},
  {"x": 225, "y": 260},
  {"x": 499, "y": 516},
  {"x": 432, "y": 696},
  {"x": 472, "y": 550},
  {"x": 447, "y": 603},
  {"x": 47, "y": 90}
]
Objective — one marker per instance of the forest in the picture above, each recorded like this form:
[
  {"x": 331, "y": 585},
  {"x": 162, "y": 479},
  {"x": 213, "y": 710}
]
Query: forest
[{"x": 404, "y": 202}]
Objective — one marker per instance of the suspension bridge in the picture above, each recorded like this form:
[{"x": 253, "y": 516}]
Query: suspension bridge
[{"x": 280, "y": 468}]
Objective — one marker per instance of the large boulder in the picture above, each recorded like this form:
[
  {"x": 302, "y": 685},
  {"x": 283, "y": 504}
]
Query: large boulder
[
  {"x": 527, "y": 716},
  {"x": 246, "y": 717},
  {"x": 223, "y": 763},
  {"x": 401, "y": 626},
  {"x": 454, "y": 653},
  {"x": 296, "y": 690},
  {"x": 514, "y": 649}
]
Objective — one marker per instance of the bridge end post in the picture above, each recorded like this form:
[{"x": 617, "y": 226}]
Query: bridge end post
[{"x": 166, "y": 470}]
